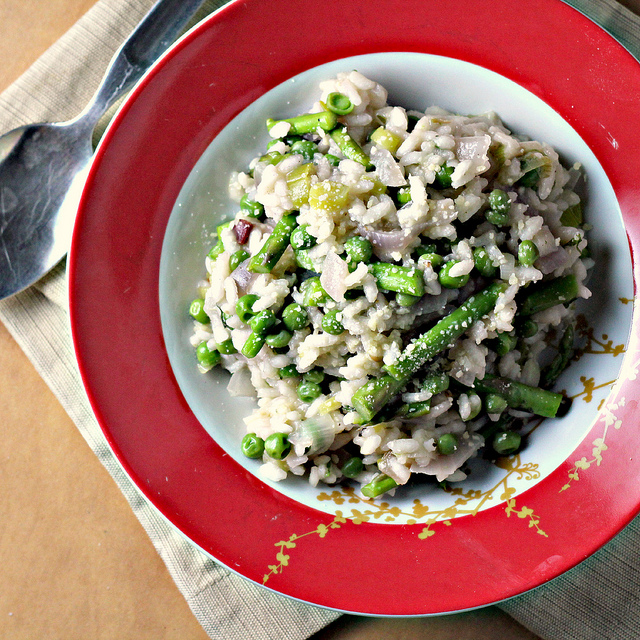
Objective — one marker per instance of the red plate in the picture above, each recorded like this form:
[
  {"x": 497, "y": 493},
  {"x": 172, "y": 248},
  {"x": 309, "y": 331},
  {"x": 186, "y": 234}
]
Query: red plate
[{"x": 213, "y": 73}]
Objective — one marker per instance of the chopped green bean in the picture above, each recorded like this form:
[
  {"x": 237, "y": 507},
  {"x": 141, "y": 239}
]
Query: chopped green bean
[
  {"x": 308, "y": 122},
  {"x": 254, "y": 343},
  {"x": 445, "y": 332},
  {"x": 339, "y": 103},
  {"x": 274, "y": 246},
  {"x": 447, "y": 280},
  {"x": 352, "y": 467},
  {"x": 522, "y": 396},
  {"x": 548, "y": 294},
  {"x": 399, "y": 279},
  {"x": 226, "y": 347},
  {"x": 349, "y": 147},
  {"x": 379, "y": 485}
]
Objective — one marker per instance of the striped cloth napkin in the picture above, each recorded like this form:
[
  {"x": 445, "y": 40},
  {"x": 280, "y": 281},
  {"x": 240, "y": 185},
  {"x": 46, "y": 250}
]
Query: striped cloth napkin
[{"x": 598, "y": 599}]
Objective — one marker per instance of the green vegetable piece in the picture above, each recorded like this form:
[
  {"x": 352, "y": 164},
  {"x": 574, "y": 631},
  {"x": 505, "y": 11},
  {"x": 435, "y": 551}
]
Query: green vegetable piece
[
  {"x": 434, "y": 259},
  {"x": 279, "y": 340},
  {"x": 379, "y": 485},
  {"x": 219, "y": 246},
  {"x": 244, "y": 306},
  {"x": 207, "y": 358},
  {"x": 314, "y": 375},
  {"x": 308, "y": 391},
  {"x": 447, "y": 444},
  {"x": 406, "y": 300},
  {"x": 274, "y": 246},
  {"x": 527, "y": 328},
  {"x": 308, "y": 122},
  {"x": 313, "y": 293},
  {"x": 388, "y": 140},
  {"x": 331, "y": 322},
  {"x": 197, "y": 312},
  {"x": 289, "y": 371},
  {"x": 415, "y": 409},
  {"x": 262, "y": 321},
  {"x": 358, "y": 250},
  {"x": 301, "y": 238},
  {"x": 254, "y": 343},
  {"x": 522, "y": 396},
  {"x": 399, "y": 279},
  {"x": 334, "y": 161},
  {"x": 277, "y": 446},
  {"x": 436, "y": 383},
  {"x": 226, "y": 348},
  {"x": 528, "y": 253},
  {"x": 352, "y": 467},
  {"x": 251, "y": 208},
  {"x": 530, "y": 179},
  {"x": 443, "y": 177},
  {"x": 403, "y": 197},
  {"x": 494, "y": 403},
  {"x": 349, "y": 147},
  {"x": 552, "y": 372},
  {"x": 328, "y": 196},
  {"x": 339, "y": 103},
  {"x": 475, "y": 406},
  {"x": 305, "y": 148},
  {"x": 483, "y": 263},
  {"x": 548, "y": 294},
  {"x": 505, "y": 342},
  {"x": 506, "y": 442},
  {"x": 369, "y": 399},
  {"x": 500, "y": 201},
  {"x": 497, "y": 218},
  {"x": 299, "y": 183},
  {"x": 252, "y": 446},
  {"x": 451, "y": 282},
  {"x": 295, "y": 317},
  {"x": 445, "y": 332},
  {"x": 572, "y": 216},
  {"x": 272, "y": 157},
  {"x": 237, "y": 257}
]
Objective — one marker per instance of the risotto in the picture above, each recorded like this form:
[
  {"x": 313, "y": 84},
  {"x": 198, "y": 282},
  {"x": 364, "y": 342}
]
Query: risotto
[{"x": 397, "y": 290}]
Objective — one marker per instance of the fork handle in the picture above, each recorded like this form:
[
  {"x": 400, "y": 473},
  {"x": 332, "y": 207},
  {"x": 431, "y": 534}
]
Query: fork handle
[{"x": 153, "y": 35}]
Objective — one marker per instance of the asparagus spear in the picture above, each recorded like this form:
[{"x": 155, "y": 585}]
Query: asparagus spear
[
  {"x": 392, "y": 277},
  {"x": 349, "y": 147},
  {"x": 273, "y": 248},
  {"x": 549, "y": 294},
  {"x": 522, "y": 396}
]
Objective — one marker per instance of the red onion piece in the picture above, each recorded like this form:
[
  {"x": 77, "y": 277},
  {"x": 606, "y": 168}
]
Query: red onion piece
[
  {"x": 242, "y": 229},
  {"x": 243, "y": 277},
  {"x": 386, "y": 243}
]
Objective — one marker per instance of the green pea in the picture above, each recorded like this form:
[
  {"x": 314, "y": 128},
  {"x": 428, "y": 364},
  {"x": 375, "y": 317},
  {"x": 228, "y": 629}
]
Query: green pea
[
  {"x": 500, "y": 201},
  {"x": 331, "y": 323},
  {"x": 334, "y": 161},
  {"x": 313, "y": 293},
  {"x": 196, "y": 309},
  {"x": 237, "y": 257},
  {"x": 252, "y": 446},
  {"x": 226, "y": 348},
  {"x": 494, "y": 403},
  {"x": 443, "y": 177},
  {"x": 277, "y": 446},
  {"x": 339, "y": 103},
  {"x": 434, "y": 259},
  {"x": 244, "y": 306},
  {"x": 506, "y": 442},
  {"x": 305, "y": 148},
  {"x": 449, "y": 281},
  {"x": 447, "y": 444},
  {"x": 528, "y": 253},
  {"x": 279, "y": 340},
  {"x": 406, "y": 299},
  {"x": 251, "y": 207},
  {"x": 262, "y": 322},
  {"x": 358, "y": 250},
  {"x": 289, "y": 371},
  {"x": 505, "y": 342},
  {"x": 352, "y": 467},
  {"x": 308, "y": 391},
  {"x": 208, "y": 358},
  {"x": 483, "y": 263},
  {"x": 295, "y": 317},
  {"x": 301, "y": 238},
  {"x": 436, "y": 383},
  {"x": 497, "y": 218},
  {"x": 403, "y": 196},
  {"x": 314, "y": 375}
]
